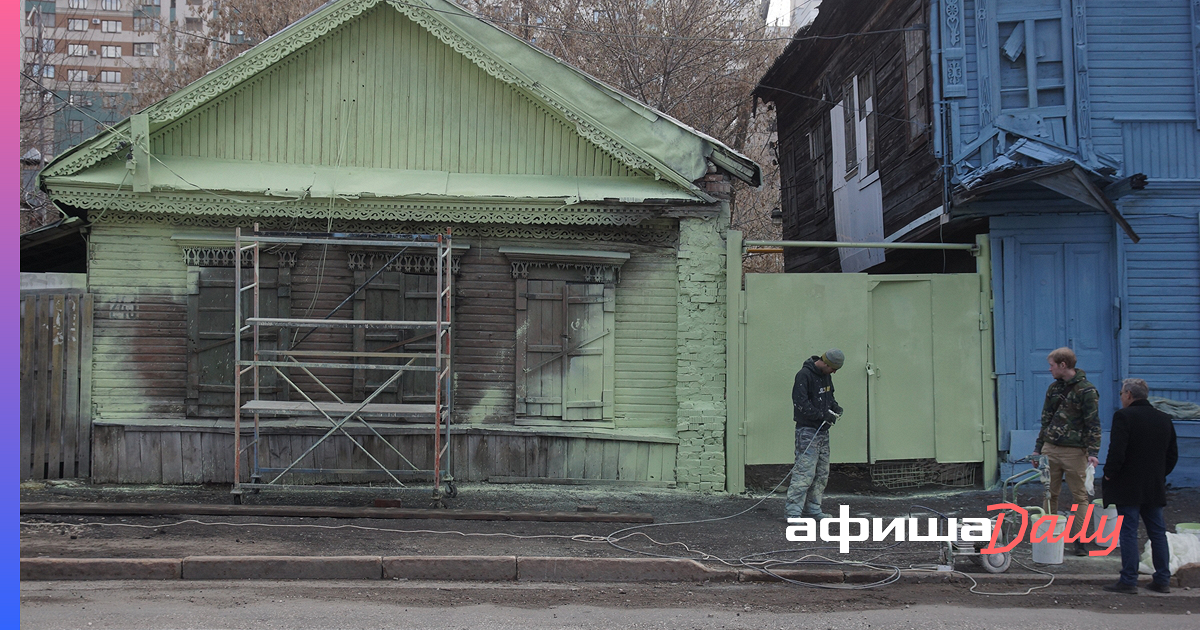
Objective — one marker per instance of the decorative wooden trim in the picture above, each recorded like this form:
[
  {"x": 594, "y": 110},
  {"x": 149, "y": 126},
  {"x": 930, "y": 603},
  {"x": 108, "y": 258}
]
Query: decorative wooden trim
[
  {"x": 954, "y": 81},
  {"x": 987, "y": 96},
  {"x": 651, "y": 232},
  {"x": 1083, "y": 104},
  {"x": 596, "y": 266},
  {"x": 425, "y": 264}
]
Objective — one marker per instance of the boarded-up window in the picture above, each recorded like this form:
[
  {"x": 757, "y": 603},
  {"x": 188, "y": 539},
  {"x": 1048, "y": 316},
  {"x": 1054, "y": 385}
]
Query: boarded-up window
[
  {"x": 1035, "y": 69},
  {"x": 850, "y": 126},
  {"x": 916, "y": 97},
  {"x": 396, "y": 296},
  {"x": 816, "y": 149},
  {"x": 210, "y": 340},
  {"x": 562, "y": 340},
  {"x": 866, "y": 116}
]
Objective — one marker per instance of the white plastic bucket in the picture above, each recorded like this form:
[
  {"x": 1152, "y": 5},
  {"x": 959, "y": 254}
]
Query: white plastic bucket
[
  {"x": 1110, "y": 520},
  {"x": 1048, "y": 552},
  {"x": 1188, "y": 528}
]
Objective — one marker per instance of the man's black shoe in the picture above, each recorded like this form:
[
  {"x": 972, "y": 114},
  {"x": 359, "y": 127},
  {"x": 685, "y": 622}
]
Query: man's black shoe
[
  {"x": 1081, "y": 549},
  {"x": 1160, "y": 588},
  {"x": 1121, "y": 587}
]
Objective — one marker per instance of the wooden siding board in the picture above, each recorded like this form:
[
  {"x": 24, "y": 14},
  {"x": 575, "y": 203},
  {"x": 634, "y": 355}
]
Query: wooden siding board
[
  {"x": 341, "y": 86},
  {"x": 1162, "y": 304}
]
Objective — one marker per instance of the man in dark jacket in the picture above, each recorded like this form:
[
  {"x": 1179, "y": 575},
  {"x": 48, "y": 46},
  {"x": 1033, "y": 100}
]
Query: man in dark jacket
[
  {"x": 1141, "y": 453},
  {"x": 814, "y": 410}
]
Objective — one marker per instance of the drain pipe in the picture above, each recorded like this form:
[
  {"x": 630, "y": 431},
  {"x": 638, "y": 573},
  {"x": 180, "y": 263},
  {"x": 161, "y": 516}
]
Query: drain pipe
[{"x": 776, "y": 247}]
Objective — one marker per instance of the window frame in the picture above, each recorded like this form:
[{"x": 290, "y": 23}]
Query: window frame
[
  {"x": 594, "y": 276},
  {"x": 206, "y": 267}
]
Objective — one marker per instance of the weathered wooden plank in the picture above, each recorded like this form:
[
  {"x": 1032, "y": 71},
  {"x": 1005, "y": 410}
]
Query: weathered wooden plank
[
  {"x": 41, "y": 397},
  {"x": 211, "y": 459},
  {"x": 58, "y": 456},
  {"x": 190, "y": 460},
  {"x": 594, "y": 459},
  {"x": 108, "y": 452},
  {"x": 151, "y": 449},
  {"x": 576, "y": 458},
  {"x": 459, "y": 460},
  {"x": 71, "y": 428},
  {"x": 627, "y": 459},
  {"x": 610, "y": 465},
  {"x": 641, "y": 464},
  {"x": 480, "y": 457},
  {"x": 172, "y": 456},
  {"x": 654, "y": 462},
  {"x": 131, "y": 460},
  {"x": 29, "y": 326},
  {"x": 556, "y": 456}
]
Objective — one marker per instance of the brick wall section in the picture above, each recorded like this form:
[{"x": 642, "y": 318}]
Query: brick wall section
[{"x": 700, "y": 388}]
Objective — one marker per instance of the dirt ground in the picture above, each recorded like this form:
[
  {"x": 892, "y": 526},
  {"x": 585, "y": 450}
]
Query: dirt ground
[{"x": 712, "y": 527}]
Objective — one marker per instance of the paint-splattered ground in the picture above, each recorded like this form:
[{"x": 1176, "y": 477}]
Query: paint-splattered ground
[{"x": 719, "y": 528}]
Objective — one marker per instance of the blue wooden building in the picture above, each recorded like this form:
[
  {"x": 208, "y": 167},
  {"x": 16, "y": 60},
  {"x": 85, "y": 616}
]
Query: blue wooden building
[{"x": 1067, "y": 130}]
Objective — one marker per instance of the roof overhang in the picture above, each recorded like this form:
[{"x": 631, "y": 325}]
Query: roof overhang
[
  {"x": 1066, "y": 176},
  {"x": 174, "y": 174}
]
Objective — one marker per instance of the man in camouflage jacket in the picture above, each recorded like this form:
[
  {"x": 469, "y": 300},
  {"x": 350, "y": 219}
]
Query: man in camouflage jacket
[{"x": 1070, "y": 435}]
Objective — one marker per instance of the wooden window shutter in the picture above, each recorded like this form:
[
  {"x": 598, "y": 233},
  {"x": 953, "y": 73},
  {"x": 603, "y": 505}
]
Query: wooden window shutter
[
  {"x": 210, "y": 338},
  {"x": 395, "y": 296}
]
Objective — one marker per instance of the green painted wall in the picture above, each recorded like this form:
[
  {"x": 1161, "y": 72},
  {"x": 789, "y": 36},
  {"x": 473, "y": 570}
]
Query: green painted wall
[
  {"x": 139, "y": 358},
  {"x": 140, "y": 282},
  {"x": 381, "y": 92}
]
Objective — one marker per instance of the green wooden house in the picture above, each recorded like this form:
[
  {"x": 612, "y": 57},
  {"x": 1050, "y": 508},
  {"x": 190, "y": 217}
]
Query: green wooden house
[{"x": 578, "y": 214}]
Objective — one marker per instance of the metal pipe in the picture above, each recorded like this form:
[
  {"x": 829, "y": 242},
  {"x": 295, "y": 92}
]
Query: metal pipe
[{"x": 971, "y": 247}]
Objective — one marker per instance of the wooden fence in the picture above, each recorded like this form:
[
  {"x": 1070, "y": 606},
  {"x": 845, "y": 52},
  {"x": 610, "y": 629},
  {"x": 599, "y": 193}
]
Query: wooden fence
[{"x": 56, "y": 375}]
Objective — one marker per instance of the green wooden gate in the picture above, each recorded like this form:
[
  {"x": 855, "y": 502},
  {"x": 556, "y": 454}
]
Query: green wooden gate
[{"x": 917, "y": 383}]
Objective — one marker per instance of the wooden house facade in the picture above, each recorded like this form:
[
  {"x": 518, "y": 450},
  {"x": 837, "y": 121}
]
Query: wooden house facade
[
  {"x": 588, "y": 236},
  {"x": 1068, "y": 131}
]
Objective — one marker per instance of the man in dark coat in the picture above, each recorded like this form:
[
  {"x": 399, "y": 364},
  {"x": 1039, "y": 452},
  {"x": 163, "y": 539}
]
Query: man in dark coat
[
  {"x": 813, "y": 410},
  {"x": 1141, "y": 453}
]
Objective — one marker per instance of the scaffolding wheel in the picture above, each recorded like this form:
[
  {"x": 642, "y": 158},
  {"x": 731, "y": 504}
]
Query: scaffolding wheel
[{"x": 451, "y": 490}]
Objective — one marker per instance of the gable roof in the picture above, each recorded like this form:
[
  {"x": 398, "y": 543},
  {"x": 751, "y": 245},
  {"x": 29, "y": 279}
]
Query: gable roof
[{"x": 665, "y": 155}]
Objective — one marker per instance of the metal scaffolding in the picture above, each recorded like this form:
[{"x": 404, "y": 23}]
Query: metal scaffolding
[{"x": 339, "y": 412}]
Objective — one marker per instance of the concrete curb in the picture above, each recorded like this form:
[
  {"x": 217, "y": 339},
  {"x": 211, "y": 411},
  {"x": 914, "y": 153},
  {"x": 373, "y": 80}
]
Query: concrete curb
[
  {"x": 489, "y": 569},
  {"x": 282, "y": 568},
  {"x": 101, "y": 569},
  {"x": 537, "y": 569},
  {"x": 474, "y": 568}
]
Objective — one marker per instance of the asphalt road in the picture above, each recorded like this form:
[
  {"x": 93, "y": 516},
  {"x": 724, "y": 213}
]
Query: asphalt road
[{"x": 400, "y": 605}]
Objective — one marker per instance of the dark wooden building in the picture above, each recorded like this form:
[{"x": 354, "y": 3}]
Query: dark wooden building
[{"x": 857, "y": 149}]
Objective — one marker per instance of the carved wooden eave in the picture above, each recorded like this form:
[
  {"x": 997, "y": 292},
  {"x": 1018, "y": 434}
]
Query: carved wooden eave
[{"x": 594, "y": 265}]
